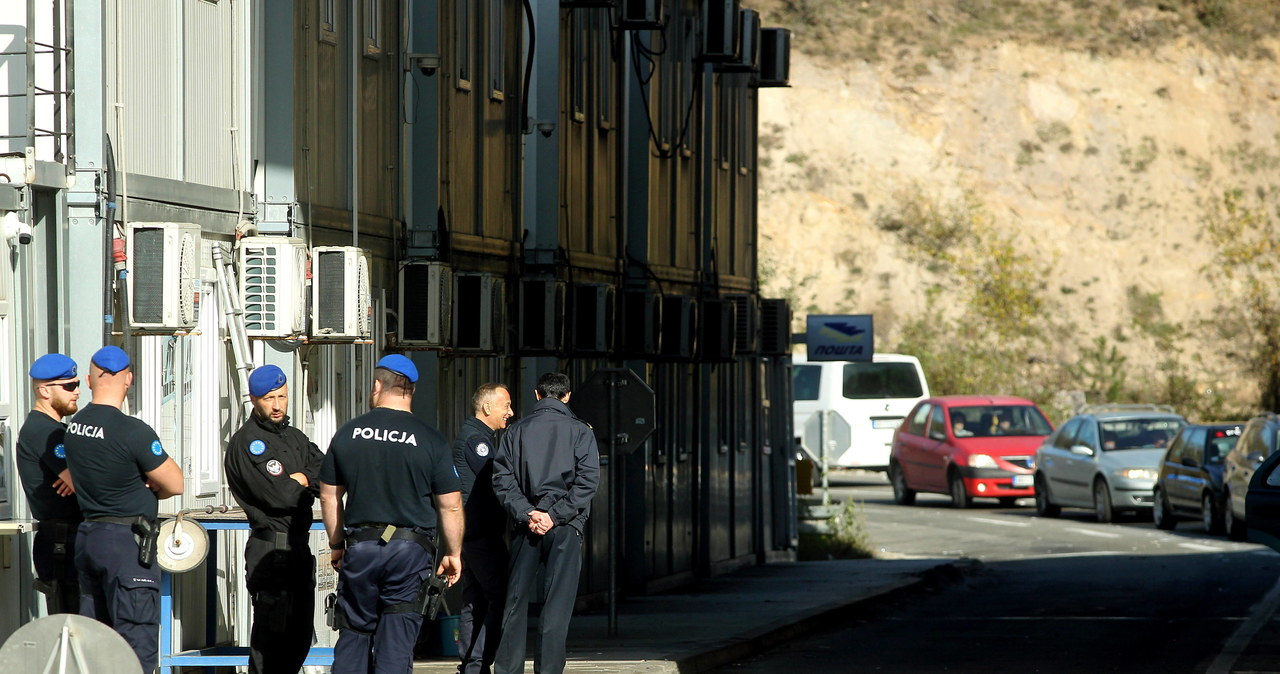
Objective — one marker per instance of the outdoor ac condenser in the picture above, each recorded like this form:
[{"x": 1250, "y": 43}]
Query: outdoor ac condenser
[
  {"x": 273, "y": 290},
  {"x": 163, "y": 275},
  {"x": 479, "y": 322},
  {"x": 425, "y": 304},
  {"x": 340, "y": 307}
]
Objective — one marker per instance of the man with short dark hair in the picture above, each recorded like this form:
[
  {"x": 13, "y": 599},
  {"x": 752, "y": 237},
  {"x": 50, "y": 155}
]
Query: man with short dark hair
[
  {"x": 388, "y": 464},
  {"x": 121, "y": 472},
  {"x": 484, "y": 550},
  {"x": 50, "y": 490},
  {"x": 272, "y": 470},
  {"x": 545, "y": 474}
]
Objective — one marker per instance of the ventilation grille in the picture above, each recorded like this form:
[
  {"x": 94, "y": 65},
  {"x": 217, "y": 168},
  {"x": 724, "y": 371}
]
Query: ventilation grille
[
  {"x": 148, "y": 275},
  {"x": 331, "y": 295}
]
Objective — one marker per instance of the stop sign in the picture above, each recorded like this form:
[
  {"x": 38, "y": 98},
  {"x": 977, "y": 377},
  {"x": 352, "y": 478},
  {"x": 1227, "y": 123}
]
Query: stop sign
[{"x": 631, "y": 400}]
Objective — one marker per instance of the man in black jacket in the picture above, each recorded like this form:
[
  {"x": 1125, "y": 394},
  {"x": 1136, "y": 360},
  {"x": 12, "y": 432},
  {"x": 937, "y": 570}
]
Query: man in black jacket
[
  {"x": 272, "y": 469},
  {"x": 545, "y": 474},
  {"x": 484, "y": 550}
]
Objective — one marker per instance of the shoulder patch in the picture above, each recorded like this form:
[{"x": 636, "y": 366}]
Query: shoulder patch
[
  {"x": 482, "y": 449},
  {"x": 274, "y": 467},
  {"x": 257, "y": 447},
  {"x": 157, "y": 448},
  {"x": 60, "y": 451}
]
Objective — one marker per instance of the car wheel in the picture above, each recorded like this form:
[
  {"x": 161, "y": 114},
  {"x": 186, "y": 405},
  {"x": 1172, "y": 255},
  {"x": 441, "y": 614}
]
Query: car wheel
[
  {"x": 1045, "y": 507},
  {"x": 1233, "y": 525},
  {"x": 902, "y": 495},
  {"x": 960, "y": 498},
  {"x": 1102, "y": 502},
  {"x": 1160, "y": 513},
  {"x": 1209, "y": 515}
]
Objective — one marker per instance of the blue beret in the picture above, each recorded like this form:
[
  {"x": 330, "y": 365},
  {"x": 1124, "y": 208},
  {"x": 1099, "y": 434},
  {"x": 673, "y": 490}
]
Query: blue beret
[
  {"x": 265, "y": 379},
  {"x": 112, "y": 359},
  {"x": 400, "y": 365},
  {"x": 53, "y": 366}
]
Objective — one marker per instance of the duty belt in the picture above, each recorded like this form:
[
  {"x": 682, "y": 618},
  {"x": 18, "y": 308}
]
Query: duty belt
[
  {"x": 279, "y": 539},
  {"x": 127, "y": 521},
  {"x": 377, "y": 531}
]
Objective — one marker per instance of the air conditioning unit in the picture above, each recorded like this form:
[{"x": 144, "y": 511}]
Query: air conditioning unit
[
  {"x": 340, "y": 307},
  {"x": 746, "y": 323},
  {"x": 775, "y": 327},
  {"x": 679, "y": 327},
  {"x": 640, "y": 323},
  {"x": 641, "y": 14},
  {"x": 591, "y": 306},
  {"x": 164, "y": 275},
  {"x": 541, "y": 313},
  {"x": 716, "y": 324},
  {"x": 423, "y": 305},
  {"x": 748, "y": 58},
  {"x": 721, "y": 39},
  {"x": 480, "y": 313},
  {"x": 273, "y": 289},
  {"x": 775, "y": 57}
]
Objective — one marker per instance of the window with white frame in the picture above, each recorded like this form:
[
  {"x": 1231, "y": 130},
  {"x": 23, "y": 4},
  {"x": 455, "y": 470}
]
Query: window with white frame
[
  {"x": 373, "y": 27},
  {"x": 497, "y": 51},
  {"x": 462, "y": 42},
  {"x": 327, "y": 11}
]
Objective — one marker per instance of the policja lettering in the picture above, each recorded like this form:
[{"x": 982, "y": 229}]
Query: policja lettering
[
  {"x": 384, "y": 435},
  {"x": 86, "y": 430}
]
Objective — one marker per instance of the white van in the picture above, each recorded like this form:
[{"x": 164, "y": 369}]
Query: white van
[{"x": 872, "y": 397}]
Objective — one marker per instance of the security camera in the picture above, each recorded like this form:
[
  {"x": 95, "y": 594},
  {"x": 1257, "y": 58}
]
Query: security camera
[
  {"x": 15, "y": 229},
  {"x": 427, "y": 64},
  {"x": 546, "y": 128},
  {"x": 24, "y": 233}
]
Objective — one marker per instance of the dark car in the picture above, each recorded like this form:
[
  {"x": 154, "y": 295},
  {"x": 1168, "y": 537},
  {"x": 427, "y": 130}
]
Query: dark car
[
  {"x": 1257, "y": 442},
  {"x": 1262, "y": 504},
  {"x": 1190, "y": 482},
  {"x": 967, "y": 447}
]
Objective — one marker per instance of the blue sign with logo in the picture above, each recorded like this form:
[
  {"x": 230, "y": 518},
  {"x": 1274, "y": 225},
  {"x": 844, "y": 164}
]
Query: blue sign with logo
[
  {"x": 157, "y": 448},
  {"x": 840, "y": 337},
  {"x": 257, "y": 447},
  {"x": 60, "y": 451}
]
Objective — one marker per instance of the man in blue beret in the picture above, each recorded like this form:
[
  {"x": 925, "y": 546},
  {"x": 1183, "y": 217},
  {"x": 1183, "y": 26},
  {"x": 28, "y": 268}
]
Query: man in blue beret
[
  {"x": 272, "y": 470},
  {"x": 388, "y": 464},
  {"x": 42, "y": 468},
  {"x": 121, "y": 472}
]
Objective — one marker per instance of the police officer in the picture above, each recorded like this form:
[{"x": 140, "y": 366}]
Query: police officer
[
  {"x": 484, "y": 549},
  {"x": 273, "y": 470},
  {"x": 42, "y": 467},
  {"x": 388, "y": 464},
  {"x": 120, "y": 470},
  {"x": 545, "y": 474}
]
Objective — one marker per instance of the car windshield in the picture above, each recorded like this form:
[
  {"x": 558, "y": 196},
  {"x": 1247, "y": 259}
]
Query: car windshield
[
  {"x": 1139, "y": 433},
  {"x": 804, "y": 381},
  {"x": 1221, "y": 440},
  {"x": 992, "y": 420},
  {"x": 881, "y": 380}
]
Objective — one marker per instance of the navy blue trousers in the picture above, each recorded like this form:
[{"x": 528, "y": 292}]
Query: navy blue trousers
[
  {"x": 118, "y": 591},
  {"x": 560, "y": 552},
  {"x": 58, "y": 571},
  {"x": 374, "y": 576},
  {"x": 484, "y": 591}
]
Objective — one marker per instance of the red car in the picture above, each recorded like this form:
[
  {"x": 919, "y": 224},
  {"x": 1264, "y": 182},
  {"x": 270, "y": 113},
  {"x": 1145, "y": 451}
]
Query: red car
[{"x": 967, "y": 446}]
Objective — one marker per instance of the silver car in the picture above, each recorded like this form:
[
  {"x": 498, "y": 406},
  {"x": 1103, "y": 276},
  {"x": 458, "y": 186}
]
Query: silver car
[{"x": 1106, "y": 458}]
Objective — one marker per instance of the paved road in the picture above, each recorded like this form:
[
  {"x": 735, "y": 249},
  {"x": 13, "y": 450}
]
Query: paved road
[{"x": 1043, "y": 595}]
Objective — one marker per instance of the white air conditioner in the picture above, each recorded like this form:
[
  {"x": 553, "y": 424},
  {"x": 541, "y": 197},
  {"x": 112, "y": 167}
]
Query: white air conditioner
[
  {"x": 424, "y": 308},
  {"x": 164, "y": 275},
  {"x": 273, "y": 289},
  {"x": 480, "y": 312},
  {"x": 340, "y": 307}
]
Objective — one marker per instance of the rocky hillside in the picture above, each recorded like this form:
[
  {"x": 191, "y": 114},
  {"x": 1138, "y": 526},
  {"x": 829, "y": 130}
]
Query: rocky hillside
[{"x": 1034, "y": 195}]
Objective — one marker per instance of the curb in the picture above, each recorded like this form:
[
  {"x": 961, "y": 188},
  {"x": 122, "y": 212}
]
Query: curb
[{"x": 779, "y": 632}]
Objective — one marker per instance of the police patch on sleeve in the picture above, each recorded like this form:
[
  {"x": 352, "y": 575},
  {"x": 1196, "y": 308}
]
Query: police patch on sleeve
[
  {"x": 274, "y": 467},
  {"x": 257, "y": 447},
  {"x": 157, "y": 448},
  {"x": 60, "y": 451},
  {"x": 482, "y": 449}
]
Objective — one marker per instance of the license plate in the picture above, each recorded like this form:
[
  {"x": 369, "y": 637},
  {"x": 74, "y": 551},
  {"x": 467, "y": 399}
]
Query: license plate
[
  {"x": 1020, "y": 481},
  {"x": 885, "y": 423}
]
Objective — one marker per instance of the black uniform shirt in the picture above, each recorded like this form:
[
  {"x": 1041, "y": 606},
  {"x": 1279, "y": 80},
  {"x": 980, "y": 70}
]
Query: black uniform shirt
[
  {"x": 548, "y": 461},
  {"x": 391, "y": 463},
  {"x": 259, "y": 460},
  {"x": 41, "y": 458},
  {"x": 473, "y": 452},
  {"x": 109, "y": 454}
]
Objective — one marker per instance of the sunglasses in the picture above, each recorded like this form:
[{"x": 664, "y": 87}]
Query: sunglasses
[{"x": 67, "y": 385}]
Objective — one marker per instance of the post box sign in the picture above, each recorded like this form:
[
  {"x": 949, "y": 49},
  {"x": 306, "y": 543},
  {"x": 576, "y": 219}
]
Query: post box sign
[{"x": 840, "y": 337}]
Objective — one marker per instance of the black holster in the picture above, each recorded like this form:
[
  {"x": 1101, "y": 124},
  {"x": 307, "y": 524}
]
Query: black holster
[
  {"x": 429, "y": 600},
  {"x": 146, "y": 533}
]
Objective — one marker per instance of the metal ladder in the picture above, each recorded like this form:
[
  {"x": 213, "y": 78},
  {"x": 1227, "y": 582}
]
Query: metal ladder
[{"x": 62, "y": 89}]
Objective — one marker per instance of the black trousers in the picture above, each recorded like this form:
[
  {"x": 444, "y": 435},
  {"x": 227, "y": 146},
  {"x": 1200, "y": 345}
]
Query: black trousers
[
  {"x": 118, "y": 591},
  {"x": 283, "y": 586},
  {"x": 54, "y": 554},
  {"x": 484, "y": 591},
  {"x": 560, "y": 553}
]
